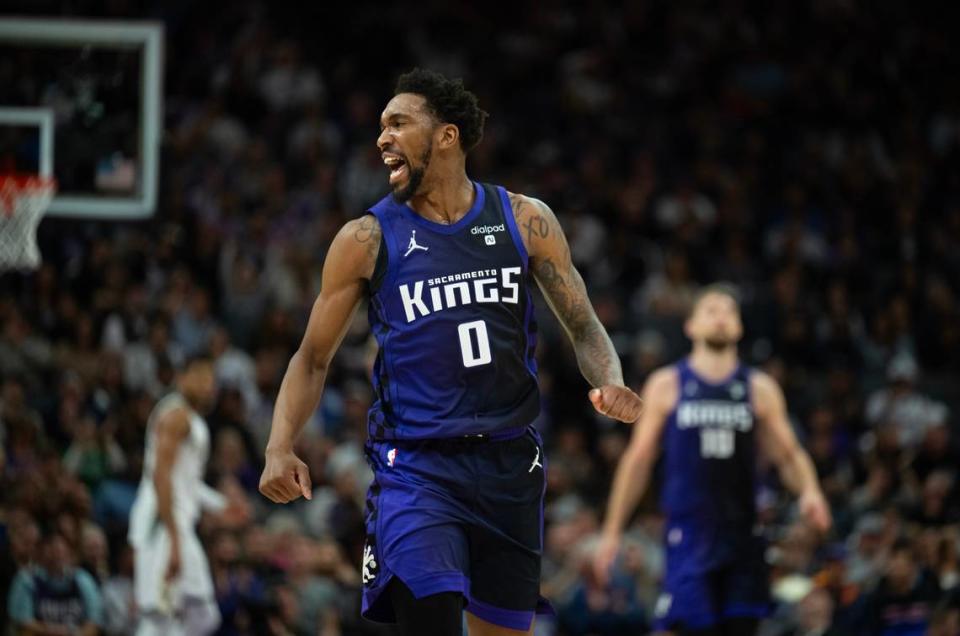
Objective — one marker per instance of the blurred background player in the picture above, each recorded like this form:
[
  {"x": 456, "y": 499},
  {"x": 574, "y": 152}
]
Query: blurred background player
[
  {"x": 173, "y": 588},
  {"x": 710, "y": 414},
  {"x": 455, "y": 512}
]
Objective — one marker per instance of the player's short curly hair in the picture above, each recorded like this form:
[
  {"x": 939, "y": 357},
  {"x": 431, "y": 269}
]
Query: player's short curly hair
[
  {"x": 449, "y": 101},
  {"x": 723, "y": 288}
]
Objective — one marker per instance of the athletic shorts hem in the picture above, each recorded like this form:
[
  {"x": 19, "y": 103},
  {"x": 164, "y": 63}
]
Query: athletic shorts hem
[
  {"x": 519, "y": 620},
  {"x": 376, "y": 604},
  {"x": 436, "y": 583}
]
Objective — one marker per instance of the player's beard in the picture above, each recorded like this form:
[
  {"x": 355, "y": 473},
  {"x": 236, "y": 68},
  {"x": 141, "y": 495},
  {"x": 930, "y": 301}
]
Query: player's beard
[
  {"x": 719, "y": 344},
  {"x": 405, "y": 193}
]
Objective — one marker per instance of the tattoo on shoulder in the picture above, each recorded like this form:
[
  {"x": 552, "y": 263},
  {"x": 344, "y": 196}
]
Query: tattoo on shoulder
[
  {"x": 530, "y": 216},
  {"x": 367, "y": 231}
]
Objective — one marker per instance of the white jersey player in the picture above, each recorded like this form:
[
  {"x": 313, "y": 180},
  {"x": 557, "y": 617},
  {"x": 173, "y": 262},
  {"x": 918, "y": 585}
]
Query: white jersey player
[{"x": 172, "y": 584}]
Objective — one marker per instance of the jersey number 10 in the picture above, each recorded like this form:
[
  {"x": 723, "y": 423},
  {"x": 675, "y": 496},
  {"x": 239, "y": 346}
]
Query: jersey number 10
[
  {"x": 474, "y": 356},
  {"x": 716, "y": 443}
]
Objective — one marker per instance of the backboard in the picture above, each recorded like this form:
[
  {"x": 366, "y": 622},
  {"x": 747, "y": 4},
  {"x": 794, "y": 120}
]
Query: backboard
[{"x": 83, "y": 99}]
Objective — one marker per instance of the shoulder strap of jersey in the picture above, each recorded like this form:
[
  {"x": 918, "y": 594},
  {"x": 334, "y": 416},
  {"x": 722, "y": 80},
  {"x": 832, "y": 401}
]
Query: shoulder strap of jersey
[
  {"x": 382, "y": 265},
  {"x": 744, "y": 373},
  {"x": 386, "y": 266},
  {"x": 499, "y": 194}
]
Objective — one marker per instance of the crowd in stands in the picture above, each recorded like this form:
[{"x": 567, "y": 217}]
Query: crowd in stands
[{"x": 808, "y": 153}]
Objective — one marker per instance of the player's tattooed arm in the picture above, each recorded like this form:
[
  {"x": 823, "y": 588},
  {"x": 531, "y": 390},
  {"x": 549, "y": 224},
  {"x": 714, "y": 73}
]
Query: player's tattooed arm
[
  {"x": 349, "y": 265},
  {"x": 566, "y": 294},
  {"x": 564, "y": 290},
  {"x": 366, "y": 232}
]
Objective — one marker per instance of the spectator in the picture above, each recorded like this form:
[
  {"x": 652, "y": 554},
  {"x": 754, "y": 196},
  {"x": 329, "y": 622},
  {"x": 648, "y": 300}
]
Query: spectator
[
  {"x": 594, "y": 609},
  {"x": 119, "y": 603},
  {"x": 55, "y": 596},
  {"x": 815, "y": 615},
  {"x": 902, "y": 406},
  {"x": 94, "y": 454},
  {"x": 905, "y": 598},
  {"x": 20, "y": 551},
  {"x": 193, "y": 322},
  {"x": 234, "y": 367}
]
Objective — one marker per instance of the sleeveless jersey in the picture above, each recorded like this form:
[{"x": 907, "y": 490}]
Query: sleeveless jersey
[
  {"x": 454, "y": 320},
  {"x": 709, "y": 458},
  {"x": 186, "y": 475}
]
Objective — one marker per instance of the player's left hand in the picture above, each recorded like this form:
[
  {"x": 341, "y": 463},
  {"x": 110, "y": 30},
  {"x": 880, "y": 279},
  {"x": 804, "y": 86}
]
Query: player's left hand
[
  {"x": 617, "y": 402},
  {"x": 603, "y": 558},
  {"x": 814, "y": 508}
]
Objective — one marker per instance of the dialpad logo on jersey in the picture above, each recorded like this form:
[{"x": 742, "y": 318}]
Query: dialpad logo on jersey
[
  {"x": 488, "y": 229},
  {"x": 455, "y": 290},
  {"x": 716, "y": 414},
  {"x": 368, "y": 569}
]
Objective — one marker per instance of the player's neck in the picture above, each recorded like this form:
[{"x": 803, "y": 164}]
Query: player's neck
[
  {"x": 713, "y": 365},
  {"x": 187, "y": 398},
  {"x": 445, "y": 201}
]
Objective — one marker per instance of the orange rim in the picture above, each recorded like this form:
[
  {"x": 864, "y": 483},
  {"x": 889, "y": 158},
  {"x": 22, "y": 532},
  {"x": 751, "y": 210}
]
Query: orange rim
[{"x": 14, "y": 186}]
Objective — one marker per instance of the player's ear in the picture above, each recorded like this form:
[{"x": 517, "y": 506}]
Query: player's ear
[{"x": 448, "y": 136}]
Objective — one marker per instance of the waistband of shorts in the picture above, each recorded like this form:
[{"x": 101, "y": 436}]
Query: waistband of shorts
[{"x": 502, "y": 435}]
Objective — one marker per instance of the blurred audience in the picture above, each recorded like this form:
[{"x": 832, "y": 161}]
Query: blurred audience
[{"x": 809, "y": 152}]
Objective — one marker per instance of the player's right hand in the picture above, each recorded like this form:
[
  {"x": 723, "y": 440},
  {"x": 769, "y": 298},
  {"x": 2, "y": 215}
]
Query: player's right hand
[
  {"x": 815, "y": 509},
  {"x": 285, "y": 477},
  {"x": 173, "y": 563},
  {"x": 603, "y": 558}
]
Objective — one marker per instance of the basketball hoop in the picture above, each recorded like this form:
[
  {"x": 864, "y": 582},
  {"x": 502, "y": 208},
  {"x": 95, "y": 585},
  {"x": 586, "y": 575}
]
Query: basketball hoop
[{"x": 23, "y": 200}]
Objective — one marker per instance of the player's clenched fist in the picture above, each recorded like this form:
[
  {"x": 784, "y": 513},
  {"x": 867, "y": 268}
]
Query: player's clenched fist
[
  {"x": 617, "y": 402},
  {"x": 285, "y": 477}
]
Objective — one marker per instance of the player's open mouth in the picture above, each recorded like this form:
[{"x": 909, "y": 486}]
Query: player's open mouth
[{"x": 398, "y": 167}]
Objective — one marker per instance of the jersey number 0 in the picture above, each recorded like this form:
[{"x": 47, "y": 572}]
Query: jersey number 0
[{"x": 474, "y": 356}]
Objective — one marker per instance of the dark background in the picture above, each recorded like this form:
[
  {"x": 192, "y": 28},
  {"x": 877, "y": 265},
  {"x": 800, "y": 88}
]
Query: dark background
[{"x": 808, "y": 153}]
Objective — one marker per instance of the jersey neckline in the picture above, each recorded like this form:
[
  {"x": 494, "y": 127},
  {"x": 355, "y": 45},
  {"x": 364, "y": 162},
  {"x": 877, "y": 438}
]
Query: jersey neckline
[
  {"x": 719, "y": 383},
  {"x": 478, "y": 200}
]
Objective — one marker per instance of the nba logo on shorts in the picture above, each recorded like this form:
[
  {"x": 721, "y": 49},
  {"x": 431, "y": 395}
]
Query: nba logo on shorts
[
  {"x": 391, "y": 457},
  {"x": 490, "y": 239},
  {"x": 663, "y": 605}
]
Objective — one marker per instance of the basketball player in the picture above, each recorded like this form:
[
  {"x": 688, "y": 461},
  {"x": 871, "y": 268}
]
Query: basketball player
[
  {"x": 455, "y": 510},
  {"x": 710, "y": 414},
  {"x": 172, "y": 583}
]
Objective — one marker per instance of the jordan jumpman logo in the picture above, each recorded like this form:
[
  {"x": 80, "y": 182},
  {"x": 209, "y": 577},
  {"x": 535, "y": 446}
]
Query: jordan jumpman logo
[
  {"x": 413, "y": 245},
  {"x": 536, "y": 462}
]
